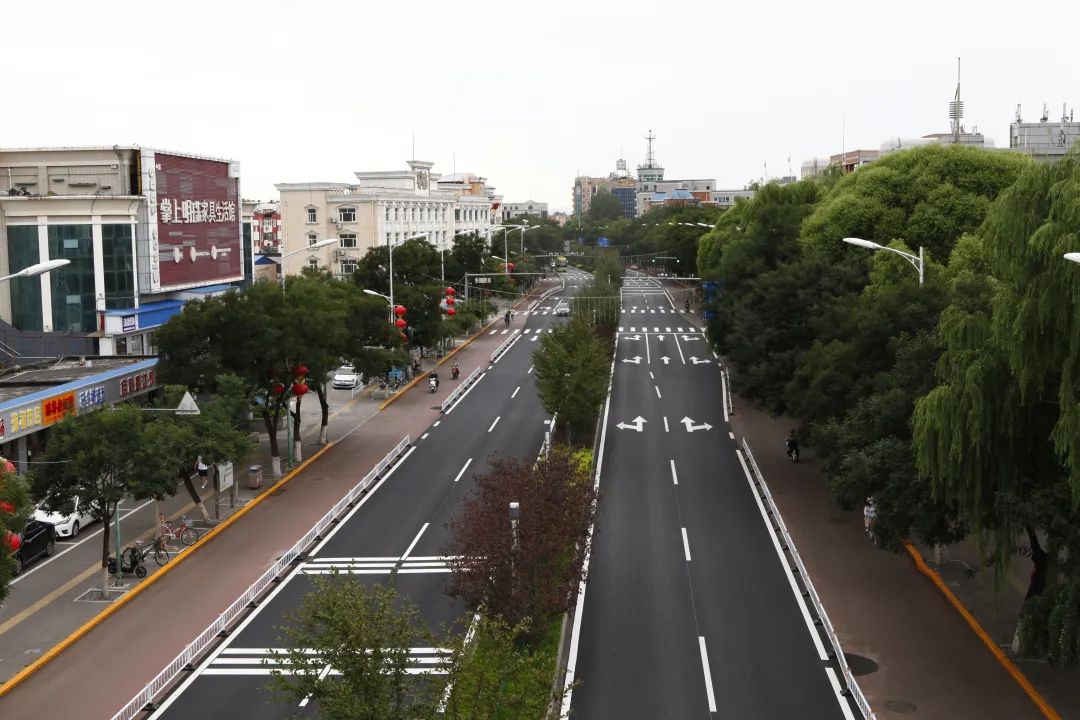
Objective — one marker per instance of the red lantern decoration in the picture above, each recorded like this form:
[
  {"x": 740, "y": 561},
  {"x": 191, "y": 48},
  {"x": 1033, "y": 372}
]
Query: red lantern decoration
[
  {"x": 450, "y": 301},
  {"x": 7, "y": 507},
  {"x": 14, "y": 542},
  {"x": 510, "y": 266},
  {"x": 278, "y": 388},
  {"x": 399, "y": 310},
  {"x": 404, "y": 337},
  {"x": 451, "y": 311},
  {"x": 400, "y": 323},
  {"x": 451, "y": 291},
  {"x": 300, "y": 370},
  {"x": 299, "y": 388},
  {"x": 8, "y": 466}
]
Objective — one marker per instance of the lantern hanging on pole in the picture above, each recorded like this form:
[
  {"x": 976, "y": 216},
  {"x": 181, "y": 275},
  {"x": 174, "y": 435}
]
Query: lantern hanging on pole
[
  {"x": 7, "y": 507},
  {"x": 299, "y": 388},
  {"x": 400, "y": 323},
  {"x": 399, "y": 310},
  {"x": 451, "y": 291},
  {"x": 14, "y": 542},
  {"x": 450, "y": 301},
  {"x": 451, "y": 311}
]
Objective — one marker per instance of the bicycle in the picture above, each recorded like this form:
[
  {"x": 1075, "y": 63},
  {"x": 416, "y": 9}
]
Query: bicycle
[
  {"x": 185, "y": 533},
  {"x": 160, "y": 550}
]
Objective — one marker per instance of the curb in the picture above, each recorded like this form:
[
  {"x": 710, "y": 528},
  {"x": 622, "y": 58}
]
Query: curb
[
  {"x": 127, "y": 597},
  {"x": 1010, "y": 667}
]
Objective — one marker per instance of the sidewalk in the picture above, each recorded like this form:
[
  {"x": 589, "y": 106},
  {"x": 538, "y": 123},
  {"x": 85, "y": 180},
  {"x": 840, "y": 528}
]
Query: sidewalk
[
  {"x": 193, "y": 593},
  {"x": 915, "y": 656}
]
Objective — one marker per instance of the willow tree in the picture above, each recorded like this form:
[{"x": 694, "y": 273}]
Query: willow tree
[{"x": 1000, "y": 434}]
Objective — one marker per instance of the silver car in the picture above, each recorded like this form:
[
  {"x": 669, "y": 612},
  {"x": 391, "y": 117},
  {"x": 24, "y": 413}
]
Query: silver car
[
  {"x": 562, "y": 310},
  {"x": 346, "y": 377}
]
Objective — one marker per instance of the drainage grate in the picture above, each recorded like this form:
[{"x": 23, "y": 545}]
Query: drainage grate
[{"x": 95, "y": 595}]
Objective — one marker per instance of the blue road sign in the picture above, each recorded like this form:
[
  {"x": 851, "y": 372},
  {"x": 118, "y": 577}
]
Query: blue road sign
[{"x": 601, "y": 242}]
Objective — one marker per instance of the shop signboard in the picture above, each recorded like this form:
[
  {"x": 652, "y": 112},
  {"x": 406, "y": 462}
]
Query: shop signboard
[
  {"x": 57, "y": 408},
  {"x": 225, "y": 476},
  {"x": 128, "y": 324}
]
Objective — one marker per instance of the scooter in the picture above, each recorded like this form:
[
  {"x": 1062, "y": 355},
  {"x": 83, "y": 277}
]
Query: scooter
[
  {"x": 433, "y": 384},
  {"x": 793, "y": 454},
  {"x": 454, "y": 372},
  {"x": 131, "y": 562}
]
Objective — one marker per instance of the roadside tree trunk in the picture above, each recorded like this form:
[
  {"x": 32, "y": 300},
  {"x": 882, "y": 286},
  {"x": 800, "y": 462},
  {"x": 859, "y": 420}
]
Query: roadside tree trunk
[
  {"x": 185, "y": 476},
  {"x": 324, "y": 403},
  {"x": 1040, "y": 561},
  {"x": 297, "y": 445},
  {"x": 270, "y": 422},
  {"x": 106, "y": 538}
]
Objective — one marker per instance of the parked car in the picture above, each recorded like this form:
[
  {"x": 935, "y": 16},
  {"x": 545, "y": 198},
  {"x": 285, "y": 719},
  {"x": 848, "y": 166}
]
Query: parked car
[
  {"x": 346, "y": 377},
  {"x": 39, "y": 538},
  {"x": 66, "y": 525},
  {"x": 562, "y": 310}
]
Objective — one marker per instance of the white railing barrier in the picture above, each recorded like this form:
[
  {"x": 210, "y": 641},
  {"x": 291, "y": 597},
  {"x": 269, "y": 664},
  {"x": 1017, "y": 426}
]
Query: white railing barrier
[
  {"x": 460, "y": 390},
  {"x": 505, "y": 345},
  {"x": 730, "y": 394},
  {"x": 849, "y": 678},
  {"x": 142, "y": 701}
]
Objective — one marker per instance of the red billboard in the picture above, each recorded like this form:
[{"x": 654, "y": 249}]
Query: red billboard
[{"x": 198, "y": 218}]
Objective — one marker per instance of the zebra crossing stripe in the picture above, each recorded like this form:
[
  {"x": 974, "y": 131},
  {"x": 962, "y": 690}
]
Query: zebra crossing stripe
[{"x": 266, "y": 661}]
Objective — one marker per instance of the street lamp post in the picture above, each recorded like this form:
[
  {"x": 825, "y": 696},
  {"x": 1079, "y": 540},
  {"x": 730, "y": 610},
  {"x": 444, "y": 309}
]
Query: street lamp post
[
  {"x": 309, "y": 248},
  {"x": 917, "y": 261},
  {"x": 390, "y": 247},
  {"x": 37, "y": 269}
]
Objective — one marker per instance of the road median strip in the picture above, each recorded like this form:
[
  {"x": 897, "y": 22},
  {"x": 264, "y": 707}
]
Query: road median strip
[
  {"x": 1010, "y": 667},
  {"x": 127, "y": 597}
]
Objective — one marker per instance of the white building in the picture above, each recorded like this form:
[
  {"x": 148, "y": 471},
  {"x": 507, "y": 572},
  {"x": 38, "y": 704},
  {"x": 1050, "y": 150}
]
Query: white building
[
  {"x": 509, "y": 211},
  {"x": 1044, "y": 140},
  {"x": 382, "y": 207}
]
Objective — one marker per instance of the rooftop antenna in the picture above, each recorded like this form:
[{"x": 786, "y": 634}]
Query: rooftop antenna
[
  {"x": 1018, "y": 118},
  {"x": 790, "y": 172},
  {"x": 1045, "y": 115},
  {"x": 649, "y": 160},
  {"x": 956, "y": 108}
]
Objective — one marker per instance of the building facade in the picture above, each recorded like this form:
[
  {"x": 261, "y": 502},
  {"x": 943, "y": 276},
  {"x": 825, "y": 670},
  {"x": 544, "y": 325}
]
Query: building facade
[
  {"x": 509, "y": 211},
  {"x": 1044, "y": 140},
  {"x": 266, "y": 227},
  {"x": 138, "y": 226},
  {"x": 381, "y": 208}
]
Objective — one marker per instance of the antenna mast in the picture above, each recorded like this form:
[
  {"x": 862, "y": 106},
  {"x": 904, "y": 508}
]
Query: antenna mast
[{"x": 956, "y": 108}]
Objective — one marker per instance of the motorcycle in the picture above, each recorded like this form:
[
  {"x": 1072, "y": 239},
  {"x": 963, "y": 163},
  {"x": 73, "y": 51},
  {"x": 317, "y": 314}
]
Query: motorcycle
[
  {"x": 433, "y": 384},
  {"x": 793, "y": 454}
]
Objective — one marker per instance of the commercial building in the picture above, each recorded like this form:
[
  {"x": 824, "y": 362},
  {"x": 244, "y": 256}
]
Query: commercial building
[
  {"x": 382, "y": 207},
  {"x": 728, "y": 198},
  {"x": 1044, "y": 140},
  {"x": 509, "y": 211},
  {"x": 266, "y": 227},
  {"x": 144, "y": 230}
]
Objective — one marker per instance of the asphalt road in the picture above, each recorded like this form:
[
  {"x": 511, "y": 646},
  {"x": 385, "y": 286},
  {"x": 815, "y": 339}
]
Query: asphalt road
[
  {"x": 400, "y": 525},
  {"x": 689, "y": 611}
]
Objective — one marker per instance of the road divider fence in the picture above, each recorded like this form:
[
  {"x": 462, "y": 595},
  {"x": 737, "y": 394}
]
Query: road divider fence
[
  {"x": 184, "y": 662},
  {"x": 851, "y": 686},
  {"x": 727, "y": 392},
  {"x": 460, "y": 390},
  {"x": 505, "y": 346}
]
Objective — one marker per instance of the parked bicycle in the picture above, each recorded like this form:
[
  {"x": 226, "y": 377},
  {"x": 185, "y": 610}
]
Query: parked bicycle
[
  {"x": 185, "y": 533},
  {"x": 159, "y": 549}
]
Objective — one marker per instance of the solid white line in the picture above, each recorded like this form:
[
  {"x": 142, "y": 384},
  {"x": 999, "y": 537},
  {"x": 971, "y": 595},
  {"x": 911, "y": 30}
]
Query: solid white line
[
  {"x": 731, "y": 435},
  {"x": 844, "y": 707},
  {"x": 648, "y": 352},
  {"x": 467, "y": 391},
  {"x": 679, "y": 345},
  {"x": 666, "y": 425},
  {"x": 674, "y": 475},
  {"x": 462, "y": 471},
  {"x": 783, "y": 562},
  {"x": 494, "y": 423},
  {"x": 514, "y": 394},
  {"x": 723, "y": 395},
  {"x": 82, "y": 538},
  {"x": 530, "y": 370},
  {"x": 708, "y": 674},
  {"x": 416, "y": 539},
  {"x": 367, "y": 496},
  {"x": 686, "y": 547},
  {"x": 657, "y": 389}
]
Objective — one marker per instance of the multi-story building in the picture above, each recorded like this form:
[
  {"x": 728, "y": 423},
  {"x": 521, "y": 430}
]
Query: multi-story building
[
  {"x": 509, "y": 211},
  {"x": 1044, "y": 140},
  {"x": 266, "y": 227},
  {"x": 384, "y": 207},
  {"x": 727, "y": 198},
  {"x": 144, "y": 231}
]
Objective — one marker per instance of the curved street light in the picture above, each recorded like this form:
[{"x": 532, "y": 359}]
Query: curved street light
[
  {"x": 38, "y": 269},
  {"x": 1073, "y": 257},
  {"x": 917, "y": 261},
  {"x": 306, "y": 248}
]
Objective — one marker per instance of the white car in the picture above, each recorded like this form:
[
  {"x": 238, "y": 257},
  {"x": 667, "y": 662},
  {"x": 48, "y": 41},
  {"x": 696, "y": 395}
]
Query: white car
[
  {"x": 66, "y": 525},
  {"x": 346, "y": 377},
  {"x": 562, "y": 310}
]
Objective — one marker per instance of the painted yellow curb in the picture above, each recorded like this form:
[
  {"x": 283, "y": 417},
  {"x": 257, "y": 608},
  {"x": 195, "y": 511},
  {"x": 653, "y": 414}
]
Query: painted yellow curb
[
  {"x": 1010, "y": 667},
  {"x": 127, "y": 597}
]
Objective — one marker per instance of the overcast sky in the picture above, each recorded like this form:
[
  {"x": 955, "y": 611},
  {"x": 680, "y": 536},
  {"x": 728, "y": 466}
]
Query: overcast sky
[{"x": 525, "y": 94}]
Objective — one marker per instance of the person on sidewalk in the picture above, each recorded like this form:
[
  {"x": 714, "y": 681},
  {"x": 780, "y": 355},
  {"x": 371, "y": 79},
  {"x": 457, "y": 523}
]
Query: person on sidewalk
[
  {"x": 507, "y": 318},
  {"x": 870, "y": 518},
  {"x": 792, "y": 447},
  {"x": 204, "y": 471}
]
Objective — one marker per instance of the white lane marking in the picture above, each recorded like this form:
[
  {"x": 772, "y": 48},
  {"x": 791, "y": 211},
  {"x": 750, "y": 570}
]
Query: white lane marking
[
  {"x": 463, "y": 469},
  {"x": 82, "y": 538},
  {"x": 666, "y": 425},
  {"x": 530, "y": 370},
  {"x": 723, "y": 395},
  {"x": 436, "y": 423},
  {"x": 494, "y": 423},
  {"x": 667, "y": 329},
  {"x": 620, "y": 329},
  {"x": 715, "y": 355},
  {"x": 679, "y": 345},
  {"x": 686, "y": 549},
  {"x": 651, "y": 376},
  {"x": 514, "y": 394},
  {"x": 415, "y": 540},
  {"x": 844, "y": 707},
  {"x": 708, "y": 674},
  {"x": 469, "y": 390},
  {"x": 648, "y": 352},
  {"x": 731, "y": 435},
  {"x": 493, "y": 331},
  {"x": 504, "y": 332},
  {"x": 674, "y": 475},
  {"x": 783, "y": 562},
  {"x": 424, "y": 436},
  {"x": 535, "y": 337},
  {"x": 657, "y": 389}
]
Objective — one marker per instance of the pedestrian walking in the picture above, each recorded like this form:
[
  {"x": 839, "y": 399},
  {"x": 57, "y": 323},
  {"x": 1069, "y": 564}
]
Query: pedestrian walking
[
  {"x": 507, "y": 318},
  {"x": 870, "y": 519},
  {"x": 204, "y": 471}
]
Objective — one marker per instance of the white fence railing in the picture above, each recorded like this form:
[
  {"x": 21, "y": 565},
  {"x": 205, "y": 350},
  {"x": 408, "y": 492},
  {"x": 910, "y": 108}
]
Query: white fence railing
[
  {"x": 728, "y": 393},
  {"x": 185, "y": 660},
  {"x": 505, "y": 345},
  {"x": 851, "y": 685},
  {"x": 460, "y": 390}
]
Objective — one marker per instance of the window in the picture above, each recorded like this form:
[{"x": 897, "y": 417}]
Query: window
[
  {"x": 25, "y": 292},
  {"x": 457, "y": 214},
  {"x": 395, "y": 213},
  {"x": 347, "y": 214},
  {"x": 73, "y": 290},
  {"x": 312, "y": 238},
  {"x": 313, "y": 263},
  {"x": 268, "y": 226},
  {"x": 387, "y": 213},
  {"x": 387, "y": 238},
  {"x": 311, "y": 215},
  {"x": 348, "y": 267},
  {"x": 348, "y": 240},
  {"x": 119, "y": 261}
]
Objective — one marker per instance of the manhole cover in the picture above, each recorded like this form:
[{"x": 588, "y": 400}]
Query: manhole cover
[
  {"x": 860, "y": 665},
  {"x": 900, "y": 706}
]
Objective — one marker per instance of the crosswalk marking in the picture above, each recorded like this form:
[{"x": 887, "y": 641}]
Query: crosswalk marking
[
  {"x": 264, "y": 661},
  {"x": 416, "y": 564}
]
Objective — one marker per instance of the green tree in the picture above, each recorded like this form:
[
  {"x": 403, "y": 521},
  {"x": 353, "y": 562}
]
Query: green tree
[
  {"x": 365, "y": 634},
  {"x": 14, "y": 510},
  {"x": 135, "y": 463},
  {"x": 605, "y": 206},
  {"x": 416, "y": 262},
  {"x": 571, "y": 373}
]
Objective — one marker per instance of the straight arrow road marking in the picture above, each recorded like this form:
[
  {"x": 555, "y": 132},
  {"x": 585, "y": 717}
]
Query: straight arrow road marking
[
  {"x": 463, "y": 469},
  {"x": 691, "y": 427},
  {"x": 666, "y": 359},
  {"x": 638, "y": 424},
  {"x": 631, "y": 337},
  {"x": 690, "y": 338}
]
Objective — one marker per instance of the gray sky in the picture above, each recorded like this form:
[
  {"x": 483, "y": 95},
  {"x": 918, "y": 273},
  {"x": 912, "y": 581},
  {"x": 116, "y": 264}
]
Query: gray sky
[{"x": 527, "y": 95}]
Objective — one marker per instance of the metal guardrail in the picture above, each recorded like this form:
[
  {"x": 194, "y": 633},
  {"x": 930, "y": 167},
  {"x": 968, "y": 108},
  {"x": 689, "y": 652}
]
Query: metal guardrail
[
  {"x": 851, "y": 685},
  {"x": 728, "y": 394},
  {"x": 459, "y": 390},
  {"x": 143, "y": 702},
  {"x": 505, "y": 345}
]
